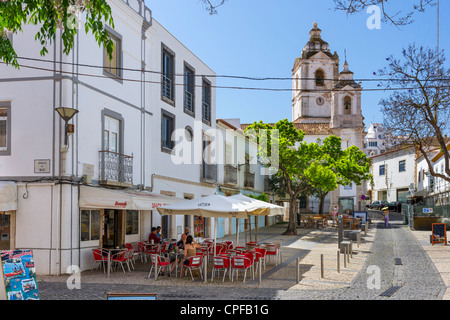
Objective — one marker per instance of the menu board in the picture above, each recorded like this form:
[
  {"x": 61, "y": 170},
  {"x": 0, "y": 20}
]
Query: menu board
[
  {"x": 19, "y": 275},
  {"x": 439, "y": 233},
  {"x": 199, "y": 227}
]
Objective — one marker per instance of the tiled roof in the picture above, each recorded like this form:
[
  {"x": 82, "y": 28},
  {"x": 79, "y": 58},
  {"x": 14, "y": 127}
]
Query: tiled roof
[{"x": 308, "y": 128}]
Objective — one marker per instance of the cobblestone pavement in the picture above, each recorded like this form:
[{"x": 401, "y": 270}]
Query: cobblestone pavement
[{"x": 388, "y": 264}]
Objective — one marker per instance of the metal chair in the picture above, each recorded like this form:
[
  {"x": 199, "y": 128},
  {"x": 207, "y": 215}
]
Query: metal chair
[{"x": 220, "y": 264}]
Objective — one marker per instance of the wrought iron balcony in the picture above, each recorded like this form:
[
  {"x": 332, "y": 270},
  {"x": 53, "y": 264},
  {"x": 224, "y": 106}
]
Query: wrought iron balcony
[
  {"x": 115, "y": 169},
  {"x": 166, "y": 87},
  {"x": 230, "y": 174}
]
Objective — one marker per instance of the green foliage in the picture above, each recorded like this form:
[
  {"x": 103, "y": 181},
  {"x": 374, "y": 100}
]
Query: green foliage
[
  {"x": 51, "y": 15},
  {"x": 262, "y": 197},
  {"x": 308, "y": 168}
]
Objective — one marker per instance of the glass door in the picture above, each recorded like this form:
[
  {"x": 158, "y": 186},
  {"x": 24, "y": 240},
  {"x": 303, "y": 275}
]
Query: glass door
[
  {"x": 348, "y": 205},
  {"x": 113, "y": 228}
]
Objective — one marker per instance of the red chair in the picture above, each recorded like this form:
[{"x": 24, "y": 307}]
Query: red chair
[
  {"x": 99, "y": 258},
  {"x": 121, "y": 258},
  {"x": 272, "y": 250},
  {"x": 239, "y": 263},
  {"x": 220, "y": 263},
  {"x": 229, "y": 244},
  {"x": 158, "y": 263},
  {"x": 250, "y": 255},
  {"x": 195, "y": 263},
  {"x": 262, "y": 255}
]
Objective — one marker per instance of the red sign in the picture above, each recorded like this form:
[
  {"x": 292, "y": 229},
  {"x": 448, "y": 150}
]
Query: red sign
[{"x": 121, "y": 204}]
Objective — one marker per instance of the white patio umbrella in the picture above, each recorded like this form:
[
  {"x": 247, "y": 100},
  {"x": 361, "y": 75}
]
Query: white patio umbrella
[
  {"x": 273, "y": 209},
  {"x": 214, "y": 206}
]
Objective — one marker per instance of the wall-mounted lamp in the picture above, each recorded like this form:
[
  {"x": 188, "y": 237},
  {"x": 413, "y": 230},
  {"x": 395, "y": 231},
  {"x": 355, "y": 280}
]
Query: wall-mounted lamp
[{"x": 66, "y": 114}]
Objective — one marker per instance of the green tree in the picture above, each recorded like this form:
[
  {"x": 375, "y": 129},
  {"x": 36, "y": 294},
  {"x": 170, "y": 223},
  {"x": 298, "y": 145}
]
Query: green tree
[
  {"x": 51, "y": 16},
  {"x": 308, "y": 168}
]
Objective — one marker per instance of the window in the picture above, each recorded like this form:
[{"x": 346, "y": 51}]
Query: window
[
  {"x": 5, "y": 129},
  {"x": 347, "y": 105},
  {"x": 132, "y": 222},
  {"x": 111, "y": 135},
  {"x": 320, "y": 78},
  {"x": 402, "y": 166},
  {"x": 168, "y": 70},
  {"x": 167, "y": 128},
  {"x": 90, "y": 225},
  {"x": 189, "y": 92},
  {"x": 382, "y": 170},
  {"x": 373, "y": 144},
  {"x": 206, "y": 108},
  {"x": 113, "y": 65}
]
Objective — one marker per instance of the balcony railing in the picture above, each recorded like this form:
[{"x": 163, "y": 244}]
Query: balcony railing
[
  {"x": 167, "y": 87},
  {"x": 230, "y": 174},
  {"x": 209, "y": 172},
  {"x": 115, "y": 169},
  {"x": 188, "y": 101},
  {"x": 249, "y": 179}
]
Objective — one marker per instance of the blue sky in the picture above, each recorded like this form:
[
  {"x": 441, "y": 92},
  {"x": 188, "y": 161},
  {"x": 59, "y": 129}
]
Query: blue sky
[{"x": 262, "y": 38}]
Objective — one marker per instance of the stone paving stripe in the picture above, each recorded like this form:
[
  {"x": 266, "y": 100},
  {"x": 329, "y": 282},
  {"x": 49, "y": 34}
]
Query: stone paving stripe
[{"x": 389, "y": 292}]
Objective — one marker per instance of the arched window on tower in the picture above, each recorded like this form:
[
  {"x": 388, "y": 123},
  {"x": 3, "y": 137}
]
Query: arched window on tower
[
  {"x": 347, "y": 105},
  {"x": 320, "y": 78}
]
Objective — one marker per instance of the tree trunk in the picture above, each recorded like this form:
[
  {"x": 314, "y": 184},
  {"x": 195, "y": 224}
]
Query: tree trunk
[
  {"x": 292, "y": 226},
  {"x": 322, "y": 203}
]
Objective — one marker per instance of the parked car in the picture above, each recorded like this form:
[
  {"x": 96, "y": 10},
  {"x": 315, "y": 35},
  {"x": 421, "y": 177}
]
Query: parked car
[
  {"x": 395, "y": 206},
  {"x": 378, "y": 204}
]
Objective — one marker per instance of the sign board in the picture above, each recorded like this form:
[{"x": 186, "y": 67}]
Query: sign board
[
  {"x": 427, "y": 210},
  {"x": 363, "y": 197},
  {"x": 360, "y": 214},
  {"x": 439, "y": 233},
  {"x": 42, "y": 166},
  {"x": 130, "y": 296},
  {"x": 19, "y": 275},
  {"x": 199, "y": 227}
]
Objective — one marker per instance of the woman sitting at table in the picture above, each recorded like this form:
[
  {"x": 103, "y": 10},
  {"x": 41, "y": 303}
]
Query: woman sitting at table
[
  {"x": 176, "y": 258},
  {"x": 189, "y": 251}
]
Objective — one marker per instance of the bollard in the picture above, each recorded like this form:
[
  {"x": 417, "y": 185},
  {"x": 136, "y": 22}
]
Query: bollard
[
  {"x": 298, "y": 270},
  {"x": 338, "y": 261},
  {"x": 321, "y": 266},
  {"x": 345, "y": 257}
]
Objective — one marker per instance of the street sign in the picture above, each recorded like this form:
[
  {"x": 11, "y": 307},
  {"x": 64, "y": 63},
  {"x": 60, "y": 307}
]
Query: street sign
[
  {"x": 363, "y": 197},
  {"x": 427, "y": 210}
]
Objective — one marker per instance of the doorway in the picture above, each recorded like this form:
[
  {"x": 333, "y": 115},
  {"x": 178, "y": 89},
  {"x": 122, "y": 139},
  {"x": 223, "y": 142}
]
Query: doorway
[
  {"x": 5, "y": 231},
  {"x": 113, "y": 228},
  {"x": 347, "y": 204}
]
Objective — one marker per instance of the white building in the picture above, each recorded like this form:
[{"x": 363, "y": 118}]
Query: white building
[
  {"x": 71, "y": 199},
  {"x": 378, "y": 140},
  {"x": 393, "y": 174}
]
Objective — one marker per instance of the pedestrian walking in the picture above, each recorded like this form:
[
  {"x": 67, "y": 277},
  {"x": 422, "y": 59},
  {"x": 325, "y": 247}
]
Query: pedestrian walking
[{"x": 386, "y": 217}]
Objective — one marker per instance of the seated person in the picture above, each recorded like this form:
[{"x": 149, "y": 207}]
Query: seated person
[
  {"x": 153, "y": 236},
  {"x": 189, "y": 251},
  {"x": 177, "y": 258}
]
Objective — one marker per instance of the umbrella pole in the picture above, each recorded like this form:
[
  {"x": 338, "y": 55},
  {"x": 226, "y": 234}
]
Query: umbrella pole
[
  {"x": 256, "y": 228},
  {"x": 237, "y": 232},
  {"x": 215, "y": 235}
]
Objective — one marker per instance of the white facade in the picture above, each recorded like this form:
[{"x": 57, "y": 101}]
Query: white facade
[
  {"x": 117, "y": 115},
  {"x": 378, "y": 140},
  {"x": 393, "y": 174}
]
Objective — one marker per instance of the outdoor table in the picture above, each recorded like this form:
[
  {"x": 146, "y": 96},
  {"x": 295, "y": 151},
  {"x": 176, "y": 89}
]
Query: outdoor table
[
  {"x": 109, "y": 250},
  {"x": 348, "y": 221}
]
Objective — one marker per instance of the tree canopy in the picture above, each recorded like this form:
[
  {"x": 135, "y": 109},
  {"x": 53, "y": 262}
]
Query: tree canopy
[
  {"x": 51, "y": 16},
  {"x": 308, "y": 167}
]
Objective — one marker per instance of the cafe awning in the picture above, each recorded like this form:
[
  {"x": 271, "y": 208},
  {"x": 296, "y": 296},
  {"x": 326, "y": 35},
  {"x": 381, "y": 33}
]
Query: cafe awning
[
  {"x": 8, "y": 196},
  {"x": 102, "y": 198}
]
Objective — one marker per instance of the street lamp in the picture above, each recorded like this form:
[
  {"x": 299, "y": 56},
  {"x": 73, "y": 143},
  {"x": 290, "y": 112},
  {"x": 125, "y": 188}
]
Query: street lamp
[{"x": 66, "y": 114}]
